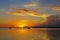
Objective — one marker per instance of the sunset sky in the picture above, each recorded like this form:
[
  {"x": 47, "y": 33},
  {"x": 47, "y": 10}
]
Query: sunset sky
[
  {"x": 39, "y": 6},
  {"x": 20, "y": 15}
]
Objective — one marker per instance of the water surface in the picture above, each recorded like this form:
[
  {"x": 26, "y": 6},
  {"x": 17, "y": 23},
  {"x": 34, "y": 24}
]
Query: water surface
[{"x": 29, "y": 34}]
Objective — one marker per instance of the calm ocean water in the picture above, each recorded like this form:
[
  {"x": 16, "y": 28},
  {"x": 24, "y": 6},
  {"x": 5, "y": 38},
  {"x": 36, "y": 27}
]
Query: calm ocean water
[{"x": 30, "y": 34}]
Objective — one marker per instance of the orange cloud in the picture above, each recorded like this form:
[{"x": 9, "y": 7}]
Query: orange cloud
[
  {"x": 25, "y": 12},
  {"x": 55, "y": 8}
]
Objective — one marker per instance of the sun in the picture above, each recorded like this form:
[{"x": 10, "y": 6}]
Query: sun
[{"x": 22, "y": 25}]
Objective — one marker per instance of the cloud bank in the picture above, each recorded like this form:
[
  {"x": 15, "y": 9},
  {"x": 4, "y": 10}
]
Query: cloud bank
[{"x": 25, "y": 12}]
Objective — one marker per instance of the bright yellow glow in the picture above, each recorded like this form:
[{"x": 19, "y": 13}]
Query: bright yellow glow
[
  {"x": 22, "y": 23},
  {"x": 45, "y": 15}
]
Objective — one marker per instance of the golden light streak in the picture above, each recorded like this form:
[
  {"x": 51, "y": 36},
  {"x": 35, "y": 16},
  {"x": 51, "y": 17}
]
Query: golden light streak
[
  {"x": 30, "y": 5},
  {"x": 56, "y": 8}
]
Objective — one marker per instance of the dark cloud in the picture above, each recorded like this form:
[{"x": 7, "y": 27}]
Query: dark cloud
[{"x": 53, "y": 21}]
